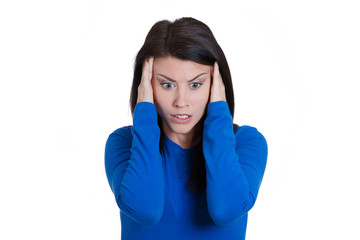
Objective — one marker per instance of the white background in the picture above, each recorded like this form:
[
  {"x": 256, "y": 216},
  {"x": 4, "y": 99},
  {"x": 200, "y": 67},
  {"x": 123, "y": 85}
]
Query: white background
[{"x": 66, "y": 70}]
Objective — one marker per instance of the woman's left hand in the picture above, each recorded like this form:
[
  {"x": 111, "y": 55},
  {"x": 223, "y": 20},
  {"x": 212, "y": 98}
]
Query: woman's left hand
[{"x": 217, "y": 87}]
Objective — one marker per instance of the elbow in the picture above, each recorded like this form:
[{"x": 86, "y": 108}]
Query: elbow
[
  {"x": 226, "y": 214},
  {"x": 148, "y": 217},
  {"x": 223, "y": 218},
  {"x": 144, "y": 214}
]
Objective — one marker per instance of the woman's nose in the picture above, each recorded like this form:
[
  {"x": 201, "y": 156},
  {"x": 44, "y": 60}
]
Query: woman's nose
[{"x": 181, "y": 99}]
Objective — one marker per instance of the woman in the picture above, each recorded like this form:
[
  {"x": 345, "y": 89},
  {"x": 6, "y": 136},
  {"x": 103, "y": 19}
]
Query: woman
[{"x": 184, "y": 170}]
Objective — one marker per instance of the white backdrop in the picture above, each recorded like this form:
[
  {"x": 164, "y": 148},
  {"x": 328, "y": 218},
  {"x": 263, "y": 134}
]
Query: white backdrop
[{"x": 66, "y": 70}]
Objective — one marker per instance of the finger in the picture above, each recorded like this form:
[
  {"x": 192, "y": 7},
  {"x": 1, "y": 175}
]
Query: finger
[
  {"x": 217, "y": 75},
  {"x": 145, "y": 93},
  {"x": 150, "y": 67},
  {"x": 145, "y": 70},
  {"x": 218, "y": 87}
]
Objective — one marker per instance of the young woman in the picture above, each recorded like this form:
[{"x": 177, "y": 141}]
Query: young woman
[{"x": 183, "y": 170}]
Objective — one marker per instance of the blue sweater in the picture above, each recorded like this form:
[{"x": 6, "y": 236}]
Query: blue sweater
[{"x": 149, "y": 186}]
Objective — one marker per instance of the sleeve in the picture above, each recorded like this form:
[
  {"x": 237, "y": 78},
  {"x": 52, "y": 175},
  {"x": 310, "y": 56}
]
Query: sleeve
[
  {"x": 235, "y": 165},
  {"x": 134, "y": 167}
]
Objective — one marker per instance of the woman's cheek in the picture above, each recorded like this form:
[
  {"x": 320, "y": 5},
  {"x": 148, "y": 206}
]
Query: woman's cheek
[
  {"x": 163, "y": 98},
  {"x": 203, "y": 96}
]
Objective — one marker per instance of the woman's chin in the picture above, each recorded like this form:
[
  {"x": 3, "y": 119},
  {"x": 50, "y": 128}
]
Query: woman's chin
[
  {"x": 180, "y": 129},
  {"x": 188, "y": 129},
  {"x": 184, "y": 130}
]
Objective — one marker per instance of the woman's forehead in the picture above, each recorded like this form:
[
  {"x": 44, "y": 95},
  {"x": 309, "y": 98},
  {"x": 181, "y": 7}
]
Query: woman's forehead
[{"x": 175, "y": 68}]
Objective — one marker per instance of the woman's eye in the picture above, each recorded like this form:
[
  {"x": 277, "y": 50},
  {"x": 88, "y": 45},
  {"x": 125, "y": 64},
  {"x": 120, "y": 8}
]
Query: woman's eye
[
  {"x": 195, "y": 85},
  {"x": 168, "y": 85}
]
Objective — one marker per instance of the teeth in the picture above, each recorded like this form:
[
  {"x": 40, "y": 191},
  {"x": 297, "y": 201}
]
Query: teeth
[{"x": 182, "y": 116}]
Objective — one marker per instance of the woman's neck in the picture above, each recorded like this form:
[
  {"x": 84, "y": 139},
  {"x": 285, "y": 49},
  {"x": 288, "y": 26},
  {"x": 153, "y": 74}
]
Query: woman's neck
[
  {"x": 187, "y": 140},
  {"x": 184, "y": 140}
]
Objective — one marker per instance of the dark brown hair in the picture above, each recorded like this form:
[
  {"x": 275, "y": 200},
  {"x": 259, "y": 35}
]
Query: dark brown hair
[{"x": 185, "y": 39}]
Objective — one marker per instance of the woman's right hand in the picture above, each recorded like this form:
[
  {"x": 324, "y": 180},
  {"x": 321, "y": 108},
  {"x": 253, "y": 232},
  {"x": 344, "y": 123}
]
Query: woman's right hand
[{"x": 145, "y": 91}]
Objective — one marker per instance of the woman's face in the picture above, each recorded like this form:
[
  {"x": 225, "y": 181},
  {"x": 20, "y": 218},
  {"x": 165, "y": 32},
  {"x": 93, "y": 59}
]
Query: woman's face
[{"x": 181, "y": 94}]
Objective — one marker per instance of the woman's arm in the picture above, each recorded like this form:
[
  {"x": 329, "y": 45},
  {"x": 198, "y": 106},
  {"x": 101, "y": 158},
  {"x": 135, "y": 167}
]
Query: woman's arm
[
  {"x": 234, "y": 165},
  {"x": 134, "y": 166},
  {"x": 133, "y": 162}
]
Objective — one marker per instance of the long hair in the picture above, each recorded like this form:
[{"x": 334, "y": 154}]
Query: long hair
[{"x": 185, "y": 39}]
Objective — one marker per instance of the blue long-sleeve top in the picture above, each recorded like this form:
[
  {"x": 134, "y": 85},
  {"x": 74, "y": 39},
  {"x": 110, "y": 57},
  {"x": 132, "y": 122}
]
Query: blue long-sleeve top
[{"x": 149, "y": 184}]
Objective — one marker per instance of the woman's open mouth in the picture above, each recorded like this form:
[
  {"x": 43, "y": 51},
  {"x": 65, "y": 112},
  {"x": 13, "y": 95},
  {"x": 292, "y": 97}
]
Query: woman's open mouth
[{"x": 181, "y": 118}]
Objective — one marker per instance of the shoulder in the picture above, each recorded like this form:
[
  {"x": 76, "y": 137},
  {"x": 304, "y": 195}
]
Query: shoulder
[
  {"x": 246, "y": 135},
  {"x": 251, "y": 147},
  {"x": 123, "y": 131},
  {"x": 117, "y": 148},
  {"x": 120, "y": 136},
  {"x": 246, "y": 130}
]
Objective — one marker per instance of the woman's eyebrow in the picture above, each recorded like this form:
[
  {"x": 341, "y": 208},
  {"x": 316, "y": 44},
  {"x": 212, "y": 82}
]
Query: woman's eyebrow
[{"x": 172, "y": 80}]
